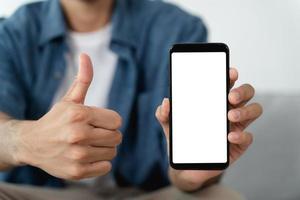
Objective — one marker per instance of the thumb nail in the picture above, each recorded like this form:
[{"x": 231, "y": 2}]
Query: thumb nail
[{"x": 164, "y": 102}]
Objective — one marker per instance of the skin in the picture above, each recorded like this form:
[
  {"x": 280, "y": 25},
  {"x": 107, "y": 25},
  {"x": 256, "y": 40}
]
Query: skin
[
  {"x": 82, "y": 139},
  {"x": 240, "y": 116},
  {"x": 87, "y": 15},
  {"x": 63, "y": 135}
]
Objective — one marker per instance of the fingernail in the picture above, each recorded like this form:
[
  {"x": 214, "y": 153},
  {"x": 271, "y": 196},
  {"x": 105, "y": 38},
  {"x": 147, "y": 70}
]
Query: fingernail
[
  {"x": 164, "y": 101},
  {"x": 235, "y": 136},
  {"x": 237, "y": 96},
  {"x": 236, "y": 115}
]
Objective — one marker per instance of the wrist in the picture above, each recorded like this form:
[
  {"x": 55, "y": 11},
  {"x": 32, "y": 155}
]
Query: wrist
[
  {"x": 182, "y": 182},
  {"x": 191, "y": 181},
  {"x": 18, "y": 131}
]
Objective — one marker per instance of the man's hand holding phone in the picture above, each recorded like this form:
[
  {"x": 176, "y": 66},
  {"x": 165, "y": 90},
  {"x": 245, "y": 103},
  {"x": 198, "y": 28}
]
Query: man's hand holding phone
[{"x": 240, "y": 116}]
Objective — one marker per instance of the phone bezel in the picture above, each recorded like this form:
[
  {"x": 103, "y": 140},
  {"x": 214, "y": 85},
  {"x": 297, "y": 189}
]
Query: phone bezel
[{"x": 198, "y": 47}]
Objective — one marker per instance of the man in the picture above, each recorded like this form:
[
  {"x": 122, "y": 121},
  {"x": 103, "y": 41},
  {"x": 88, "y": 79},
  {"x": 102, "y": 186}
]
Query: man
[{"x": 49, "y": 137}]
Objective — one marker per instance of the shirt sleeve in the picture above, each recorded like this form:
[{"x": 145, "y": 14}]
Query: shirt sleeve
[{"x": 12, "y": 98}]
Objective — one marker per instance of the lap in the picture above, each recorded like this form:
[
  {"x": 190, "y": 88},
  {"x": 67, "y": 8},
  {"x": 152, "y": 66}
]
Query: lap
[
  {"x": 216, "y": 192},
  {"x": 72, "y": 192},
  {"x": 20, "y": 192}
]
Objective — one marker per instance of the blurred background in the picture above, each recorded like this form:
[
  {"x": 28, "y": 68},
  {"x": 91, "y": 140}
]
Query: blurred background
[{"x": 264, "y": 39}]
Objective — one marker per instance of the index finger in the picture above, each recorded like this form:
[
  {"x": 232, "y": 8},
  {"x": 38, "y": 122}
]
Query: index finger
[
  {"x": 242, "y": 94},
  {"x": 105, "y": 118},
  {"x": 233, "y": 76}
]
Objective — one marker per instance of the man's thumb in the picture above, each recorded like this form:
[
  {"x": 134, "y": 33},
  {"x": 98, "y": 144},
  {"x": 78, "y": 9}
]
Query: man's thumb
[{"x": 81, "y": 84}]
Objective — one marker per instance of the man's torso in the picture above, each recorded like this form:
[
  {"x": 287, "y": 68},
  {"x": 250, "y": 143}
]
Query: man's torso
[{"x": 32, "y": 53}]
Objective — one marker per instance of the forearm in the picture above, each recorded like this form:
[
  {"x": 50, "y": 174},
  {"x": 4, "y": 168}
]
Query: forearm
[
  {"x": 187, "y": 185},
  {"x": 8, "y": 146}
]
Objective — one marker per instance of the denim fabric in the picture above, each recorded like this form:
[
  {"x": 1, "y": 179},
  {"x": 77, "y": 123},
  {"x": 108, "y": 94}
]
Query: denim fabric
[{"x": 32, "y": 65}]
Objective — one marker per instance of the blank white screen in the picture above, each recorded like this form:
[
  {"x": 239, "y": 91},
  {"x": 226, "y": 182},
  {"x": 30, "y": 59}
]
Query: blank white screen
[{"x": 199, "y": 116}]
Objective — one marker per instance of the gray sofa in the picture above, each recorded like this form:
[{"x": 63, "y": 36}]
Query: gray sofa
[{"x": 271, "y": 167}]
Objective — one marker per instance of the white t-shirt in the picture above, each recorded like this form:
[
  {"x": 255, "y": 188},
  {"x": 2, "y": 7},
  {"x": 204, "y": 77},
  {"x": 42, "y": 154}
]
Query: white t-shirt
[{"x": 96, "y": 45}]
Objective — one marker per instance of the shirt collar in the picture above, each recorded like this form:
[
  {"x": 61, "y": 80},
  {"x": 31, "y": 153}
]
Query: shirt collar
[
  {"x": 122, "y": 22},
  {"x": 53, "y": 23}
]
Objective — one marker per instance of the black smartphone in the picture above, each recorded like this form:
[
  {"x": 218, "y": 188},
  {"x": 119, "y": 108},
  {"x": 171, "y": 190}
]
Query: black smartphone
[{"x": 199, "y": 85}]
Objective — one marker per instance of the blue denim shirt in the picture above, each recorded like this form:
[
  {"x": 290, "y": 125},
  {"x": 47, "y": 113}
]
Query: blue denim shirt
[{"x": 32, "y": 65}]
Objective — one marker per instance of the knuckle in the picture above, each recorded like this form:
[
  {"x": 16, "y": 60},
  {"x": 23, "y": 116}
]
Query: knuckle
[
  {"x": 114, "y": 152},
  {"x": 76, "y": 172},
  {"x": 250, "y": 140},
  {"x": 246, "y": 113},
  {"x": 250, "y": 88},
  {"x": 117, "y": 120},
  {"x": 118, "y": 138},
  {"x": 111, "y": 153},
  {"x": 77, "y": 114},
  {"x": 75, "y": 135},
  {"x": 259, "y": 107},
  {"x": 78, "y": 154},
  {"x": 106, "y": 168}
]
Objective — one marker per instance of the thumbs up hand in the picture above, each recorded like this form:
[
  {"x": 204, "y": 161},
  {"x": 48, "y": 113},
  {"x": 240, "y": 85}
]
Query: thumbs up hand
[{"x": 72, "y": 141}]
